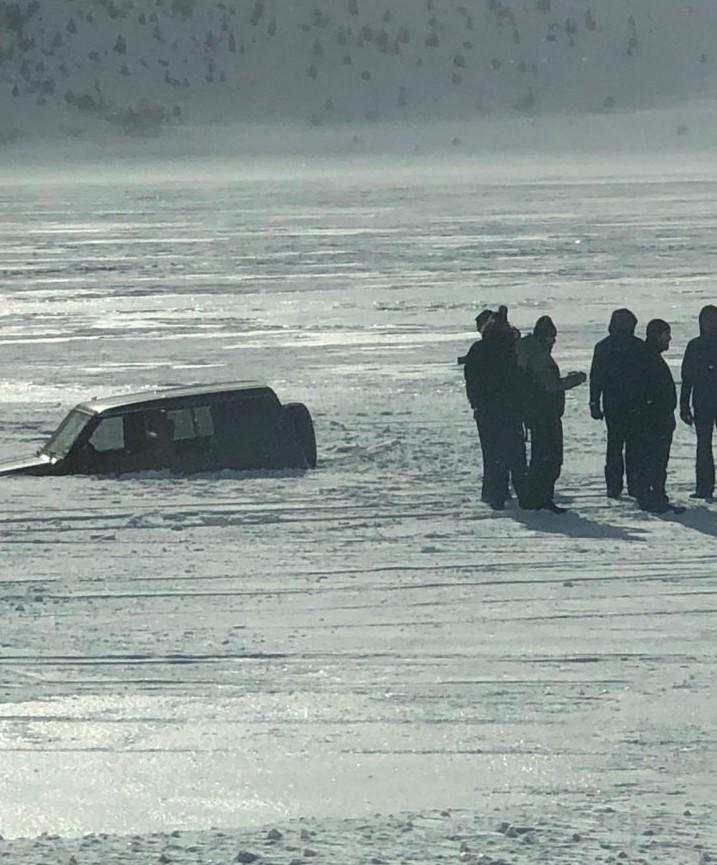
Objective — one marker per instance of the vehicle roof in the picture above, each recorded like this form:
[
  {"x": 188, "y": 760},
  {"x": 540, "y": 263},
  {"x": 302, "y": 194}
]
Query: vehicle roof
[{"x": 145, "y": 398}]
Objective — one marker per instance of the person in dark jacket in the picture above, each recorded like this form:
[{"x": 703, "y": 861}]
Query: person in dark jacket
[
  {"x": 467, "y": 361},
  {"x": 615, "y": 393},
  {"x": 698, "y": 398},
  {"x": 481, "y": 320},
  {"x": 657, "y": 420},
  {"x": 544, "y": 405},
  {"x": 493, "y": 387}
]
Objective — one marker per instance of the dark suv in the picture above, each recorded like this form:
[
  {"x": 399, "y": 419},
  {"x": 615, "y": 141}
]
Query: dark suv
[{"x": 240, "y": 425}]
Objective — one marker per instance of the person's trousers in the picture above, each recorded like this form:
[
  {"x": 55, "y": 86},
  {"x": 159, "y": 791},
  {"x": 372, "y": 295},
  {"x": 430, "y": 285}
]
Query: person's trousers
[
  {"x": 503, "y": 445},
  {"x": 705, "y": 464},
  {"x": 622, "y": 439},
  {"x": 546, "y": 461},
  {"x": 656, "y": 445}
]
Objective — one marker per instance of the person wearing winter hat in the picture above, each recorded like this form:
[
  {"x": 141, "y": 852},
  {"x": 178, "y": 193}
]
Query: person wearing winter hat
[
  {"x": 481, "y": 320},
  {"x": 615, "y": 394},
  {"x": 493, "y": 389},
  {"x": 698, "y": 398},
  {"x": 544, "y": 405},
  {"x": 657, "y": 420},
  {"x": 468, "y": 361}
]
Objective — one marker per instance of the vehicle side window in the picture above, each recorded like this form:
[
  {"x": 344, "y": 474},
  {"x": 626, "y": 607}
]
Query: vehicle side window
[
  {"x": 183, "y": 424},
  {"x": 191, "y": 423},
  {"x": 109, "y": 435},
  {"x": 203, "y": 421}
]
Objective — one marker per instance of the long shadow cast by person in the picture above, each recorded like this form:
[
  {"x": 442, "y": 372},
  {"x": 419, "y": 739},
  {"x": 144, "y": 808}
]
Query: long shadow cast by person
[
  {"x": 699, "y": 519},
  {"x": 573, "y": 525}
]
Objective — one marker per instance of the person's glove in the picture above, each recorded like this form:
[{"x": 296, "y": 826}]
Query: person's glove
[
  {"x": 686, "y": 416},
  {"x": 595, "y": 412},
  {"x": 576, "y": 378}
]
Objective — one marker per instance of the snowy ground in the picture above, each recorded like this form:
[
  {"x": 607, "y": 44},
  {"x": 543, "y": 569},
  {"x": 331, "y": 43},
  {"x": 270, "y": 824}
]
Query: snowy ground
[{"x": 363, "y": 653}]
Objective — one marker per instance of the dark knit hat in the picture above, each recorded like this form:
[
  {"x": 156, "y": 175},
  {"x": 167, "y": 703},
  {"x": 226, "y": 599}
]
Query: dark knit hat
[
  {"x": 498, "y": 328},
  {"x": 545, "y": 328},
  {"x": 483, "y": 317}
]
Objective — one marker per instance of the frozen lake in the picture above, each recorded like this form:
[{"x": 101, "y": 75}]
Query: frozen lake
[{"x": 366, "y": 638}]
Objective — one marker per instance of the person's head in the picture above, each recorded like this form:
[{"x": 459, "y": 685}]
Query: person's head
[
  {"x": 545, "y": 331},
  {"x": 708, "y": 320},
  {"x": 622, "y": 321},
  {"x": 482, "y": 319},
  {"x": 498, "y": 328},
  {"x": 658, "y": 334}
]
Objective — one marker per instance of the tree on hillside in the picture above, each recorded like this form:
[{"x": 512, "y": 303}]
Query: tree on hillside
[
  {"x": 185, "y": 8},
  {"x": 257, "y": 12}
]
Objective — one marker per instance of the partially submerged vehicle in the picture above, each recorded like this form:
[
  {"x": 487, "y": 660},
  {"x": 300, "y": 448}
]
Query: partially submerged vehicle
[{"x": 239, "y": 425}]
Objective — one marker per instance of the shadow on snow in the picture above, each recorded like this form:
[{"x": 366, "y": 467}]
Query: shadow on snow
[
  {"x": 700, "y": 519},
  {"x": 573, "y": 525}
]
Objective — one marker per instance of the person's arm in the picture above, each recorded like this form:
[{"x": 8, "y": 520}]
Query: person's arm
[
  {"x": 597, "y": 382},
  {"x": 646, "y": 384},
  {"x": 688, "y": 381},
  {"x": 470, "y": 373},
  {"x": 547, "y": 375},
  {"x": 540, "y": 368}
]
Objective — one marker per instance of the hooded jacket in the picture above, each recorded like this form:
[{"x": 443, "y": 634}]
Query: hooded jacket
[
  {"x": 545, "y": 390},
  {"x": 493, "y": 380},
  {"x": 699, "y": 372},
  {"x": 615, "y": 373}
]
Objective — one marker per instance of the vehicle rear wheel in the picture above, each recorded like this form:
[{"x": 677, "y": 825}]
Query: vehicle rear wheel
[{"x": 301, "y": 431}]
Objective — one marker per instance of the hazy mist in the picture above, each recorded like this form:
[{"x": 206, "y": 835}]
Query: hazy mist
[{"x": 346, "y": 74}]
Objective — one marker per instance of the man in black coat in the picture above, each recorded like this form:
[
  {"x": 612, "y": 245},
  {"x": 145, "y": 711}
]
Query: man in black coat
[
  {"x": 544, "y": 407},
  {"x": 494, "y": 390},
  {"x": 657, "y": 420},
  {"x": 469, "y": 363},
  {"x": 698, "y": 398},
  {"x": 615, "y": 394}
]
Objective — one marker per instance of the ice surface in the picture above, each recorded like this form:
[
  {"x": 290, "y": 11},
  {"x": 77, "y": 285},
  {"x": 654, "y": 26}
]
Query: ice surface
[{"x": 247, "y": 651}]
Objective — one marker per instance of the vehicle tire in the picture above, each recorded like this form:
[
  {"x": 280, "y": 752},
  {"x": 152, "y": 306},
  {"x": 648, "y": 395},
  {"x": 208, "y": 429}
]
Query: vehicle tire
[{"x": 300, "y": 429}]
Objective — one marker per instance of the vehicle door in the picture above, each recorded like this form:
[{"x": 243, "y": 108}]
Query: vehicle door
[
  {"x": 133, "y": 441},
  {"x": 102, "y": 448},
  {"x": 192, "y": 438}
]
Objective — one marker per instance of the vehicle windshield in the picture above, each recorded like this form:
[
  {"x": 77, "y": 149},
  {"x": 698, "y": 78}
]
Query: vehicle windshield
[{"x": 66, "y": 434}]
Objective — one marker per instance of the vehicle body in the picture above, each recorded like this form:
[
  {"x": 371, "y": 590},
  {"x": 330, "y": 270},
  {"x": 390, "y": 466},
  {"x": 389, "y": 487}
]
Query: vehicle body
[{"x": 237, "y": 425}]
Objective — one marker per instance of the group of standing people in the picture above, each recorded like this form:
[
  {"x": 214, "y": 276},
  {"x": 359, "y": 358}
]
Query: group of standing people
[{"x": 517, "y": 394}]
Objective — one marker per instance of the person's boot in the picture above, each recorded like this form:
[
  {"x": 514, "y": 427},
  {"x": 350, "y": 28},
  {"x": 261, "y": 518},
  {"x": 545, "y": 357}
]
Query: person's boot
[
  {"x": 662, "y": 506},
  {"x": 553, "y": 508}
]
